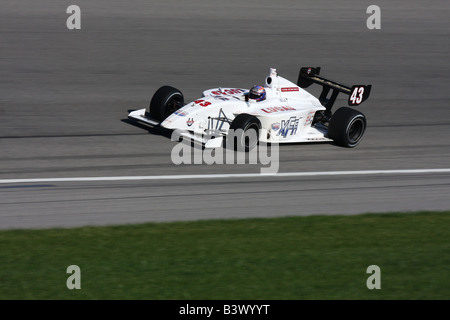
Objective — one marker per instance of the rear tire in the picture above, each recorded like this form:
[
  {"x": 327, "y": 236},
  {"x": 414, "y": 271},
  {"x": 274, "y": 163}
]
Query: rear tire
[
  {"x": 165, "y": 101},
  {"x": 347, "y": 127},
  {"x": 246, "y": 132}
]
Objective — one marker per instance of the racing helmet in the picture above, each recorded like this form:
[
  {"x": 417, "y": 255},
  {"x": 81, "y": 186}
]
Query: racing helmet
[{"x": 257, "y": 93}]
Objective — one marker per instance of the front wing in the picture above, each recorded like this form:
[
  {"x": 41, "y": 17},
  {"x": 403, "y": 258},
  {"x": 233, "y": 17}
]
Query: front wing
[{"x": 208, "y": 141}]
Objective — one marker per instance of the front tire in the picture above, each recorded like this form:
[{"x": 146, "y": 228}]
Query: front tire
[
  {"x": 347, "y": 127},
  {"x": 245, "y": 132},
  {"x": 165, "y": 101}
]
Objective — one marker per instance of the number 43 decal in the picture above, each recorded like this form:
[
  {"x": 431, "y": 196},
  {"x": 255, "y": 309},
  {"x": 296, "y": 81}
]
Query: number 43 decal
[
  {"x": 203, "y": 103},
  {"x": 358, "y": 94}
]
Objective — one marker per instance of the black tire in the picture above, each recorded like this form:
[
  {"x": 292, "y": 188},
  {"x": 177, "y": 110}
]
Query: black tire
[
  {"x": 165, "y": 101},
  {"x": 247, "y": 137},
  {"x": 347, "y": 127}
]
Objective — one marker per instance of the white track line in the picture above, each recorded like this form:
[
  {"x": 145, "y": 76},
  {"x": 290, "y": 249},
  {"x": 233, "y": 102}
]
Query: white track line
[{"x": 221, "y": 176}]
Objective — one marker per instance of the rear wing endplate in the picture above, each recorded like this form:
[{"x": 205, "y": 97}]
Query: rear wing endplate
[{"x": 357, "y": 93}]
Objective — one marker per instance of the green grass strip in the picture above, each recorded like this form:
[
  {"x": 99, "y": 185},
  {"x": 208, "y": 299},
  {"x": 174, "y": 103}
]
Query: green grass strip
[{"x": 293, "y": 258}]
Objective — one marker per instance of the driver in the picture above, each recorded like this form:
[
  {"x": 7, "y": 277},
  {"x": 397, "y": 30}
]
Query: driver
[{"x": 256, "y": 93}]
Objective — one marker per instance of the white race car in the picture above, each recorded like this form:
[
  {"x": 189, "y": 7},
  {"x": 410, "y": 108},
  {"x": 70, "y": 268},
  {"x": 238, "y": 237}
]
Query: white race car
[{"x": 280, "y": 111}]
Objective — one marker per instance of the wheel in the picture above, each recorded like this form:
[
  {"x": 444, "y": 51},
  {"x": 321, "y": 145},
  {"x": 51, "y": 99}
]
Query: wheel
[
  {"x": 246, "y": 132},
  {"x": 347, "y": 127},
  {"x": 165, "y": 101}
]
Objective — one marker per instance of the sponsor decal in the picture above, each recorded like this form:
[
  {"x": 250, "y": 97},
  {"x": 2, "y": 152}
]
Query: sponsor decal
[
  {"x": 276, "y": 109},
  {"x": 309, "y": 70},
  {"x": 190, "y": 122},
  {"x": 317, "y": 139},
  {"x": 227, "y": 92},
  {"x": 276, "y": 126},
  {"x": 221, "y": 98},
  {"x": 290, "y": 89},
  {"x": 288, "y": 126},
  {"x": 309, "y": 119},
  {"x": 180, "y": 113}
]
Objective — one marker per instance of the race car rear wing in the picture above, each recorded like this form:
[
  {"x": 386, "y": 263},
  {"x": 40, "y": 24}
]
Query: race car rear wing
[{"x": 357, "y": 93}]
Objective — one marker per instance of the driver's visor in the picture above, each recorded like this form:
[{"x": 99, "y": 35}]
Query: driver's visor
[{"x": 254, "y": 96}]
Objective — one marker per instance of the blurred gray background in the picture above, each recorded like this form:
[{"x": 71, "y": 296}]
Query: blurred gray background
[{"x": 64, "y": 94}]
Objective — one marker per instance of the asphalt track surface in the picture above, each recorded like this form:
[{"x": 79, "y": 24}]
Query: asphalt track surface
[{"x": 65, "y": 93}]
